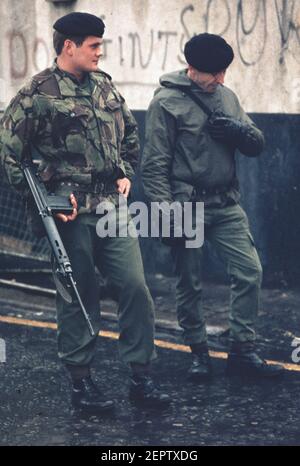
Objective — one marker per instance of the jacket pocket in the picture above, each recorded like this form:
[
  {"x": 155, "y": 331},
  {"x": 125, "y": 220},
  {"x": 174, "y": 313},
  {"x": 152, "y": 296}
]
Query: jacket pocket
[
  {"x": 114, "y": 107},
  {"x": 69, "y": 129},
  {"x": 111, "y": 126}
]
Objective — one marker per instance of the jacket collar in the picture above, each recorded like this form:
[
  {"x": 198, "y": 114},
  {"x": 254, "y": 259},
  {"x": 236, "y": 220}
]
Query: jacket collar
[{"x": 69, "y": 85}]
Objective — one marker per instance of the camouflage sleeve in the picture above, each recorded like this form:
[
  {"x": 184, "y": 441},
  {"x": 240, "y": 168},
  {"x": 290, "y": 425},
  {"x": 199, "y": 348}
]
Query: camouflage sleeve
[
  {"x": 17, "y": 124},
  {"x": 130, "y": 147}
]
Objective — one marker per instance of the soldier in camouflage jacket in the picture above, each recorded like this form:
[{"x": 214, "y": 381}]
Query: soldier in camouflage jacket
[
  {"x": 82, "y": 133},
  {"x": 79, "y": 126}
]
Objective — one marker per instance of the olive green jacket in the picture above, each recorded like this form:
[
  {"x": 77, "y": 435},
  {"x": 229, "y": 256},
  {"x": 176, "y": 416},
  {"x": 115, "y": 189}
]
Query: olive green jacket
[
  {"x": 81, "y": 133},
  {"x": 179, "y": 154}
]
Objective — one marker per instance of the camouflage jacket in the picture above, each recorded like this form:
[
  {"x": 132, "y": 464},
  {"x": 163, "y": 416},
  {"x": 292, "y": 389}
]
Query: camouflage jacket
[{"x": 83, "y": 134}]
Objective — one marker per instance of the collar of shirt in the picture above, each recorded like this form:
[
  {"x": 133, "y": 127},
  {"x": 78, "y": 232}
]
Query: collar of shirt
[{"x": 69, "y": 85}]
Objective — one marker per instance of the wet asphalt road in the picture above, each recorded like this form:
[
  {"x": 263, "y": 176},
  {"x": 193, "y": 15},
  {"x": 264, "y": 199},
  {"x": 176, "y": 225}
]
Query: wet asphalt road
[{"x": 35, "y": 405}]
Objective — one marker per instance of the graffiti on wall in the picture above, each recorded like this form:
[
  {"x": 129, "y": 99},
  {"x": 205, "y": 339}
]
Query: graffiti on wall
[
  {"x": 288, "y": 22},
  {"x": 21, "y": 54},
  {"x": 238, "y": 19}
]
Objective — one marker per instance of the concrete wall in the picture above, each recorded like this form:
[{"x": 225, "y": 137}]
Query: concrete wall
[{"x": 145, "y": 38}]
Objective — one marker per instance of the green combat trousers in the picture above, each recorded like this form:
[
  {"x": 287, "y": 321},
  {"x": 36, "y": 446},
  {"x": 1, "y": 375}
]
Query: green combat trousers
[
  {"x": 228, "y": 231},
  {"x": 119, "y": 259}
]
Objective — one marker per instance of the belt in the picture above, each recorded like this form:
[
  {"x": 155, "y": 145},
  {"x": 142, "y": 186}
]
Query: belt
[
  {"x": 96, "y": 187},
  {"x": 212, "y": 191},
  {"x": 101, "y": 185}
]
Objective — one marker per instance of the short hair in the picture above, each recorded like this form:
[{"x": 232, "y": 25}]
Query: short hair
[{"x": 59, "y": 40}]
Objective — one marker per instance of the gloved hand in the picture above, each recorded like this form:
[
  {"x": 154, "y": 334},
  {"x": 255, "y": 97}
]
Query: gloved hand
[
  {"x": 236, "y": 133},
  {"x": 226, "y": 129},
  {"x": 173, "y": 240}
]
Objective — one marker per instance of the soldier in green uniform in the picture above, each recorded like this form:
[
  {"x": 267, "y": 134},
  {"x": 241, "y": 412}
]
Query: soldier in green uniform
[
  {"x": 79, "y": 126},
  {"x": 194, "y": 126}
]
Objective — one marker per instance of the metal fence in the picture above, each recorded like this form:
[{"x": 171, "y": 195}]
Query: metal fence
[{"x": 16, "y": 239}]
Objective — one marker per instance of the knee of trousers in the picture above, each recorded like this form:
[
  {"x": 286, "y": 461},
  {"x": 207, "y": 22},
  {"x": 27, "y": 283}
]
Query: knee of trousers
[
  {"x": 136, "y": 307},
  {"x": 251, "y": 276},
  {"x": 189, "y": 282},
  {"x": 135, "y": 287}
]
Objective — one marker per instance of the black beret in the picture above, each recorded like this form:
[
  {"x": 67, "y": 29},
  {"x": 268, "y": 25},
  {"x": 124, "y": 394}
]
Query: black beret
[
  {"x": 208, "y": 53},
  {"x": 80, "y": 24}
]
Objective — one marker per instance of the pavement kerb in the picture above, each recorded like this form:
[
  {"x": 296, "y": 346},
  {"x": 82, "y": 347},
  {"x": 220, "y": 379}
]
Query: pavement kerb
[{"x": 115, "y": 336}]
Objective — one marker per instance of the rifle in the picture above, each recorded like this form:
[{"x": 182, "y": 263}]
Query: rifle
[{"x": 48, "y": 205}]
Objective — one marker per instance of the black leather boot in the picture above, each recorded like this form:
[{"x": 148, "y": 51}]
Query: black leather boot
[
  {"x": 86, "y": 395},
  {"x": 143, "y": 391},
  {"x": 243, "y": 360},
  {"x": 201, "y": 368}
]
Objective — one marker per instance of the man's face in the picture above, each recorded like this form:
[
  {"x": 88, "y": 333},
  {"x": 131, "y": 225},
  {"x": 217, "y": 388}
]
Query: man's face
[
  {"x": 207, "y": 81},
  {"x": 85, "y": 58}
]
